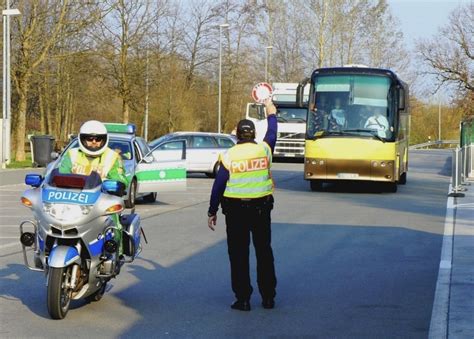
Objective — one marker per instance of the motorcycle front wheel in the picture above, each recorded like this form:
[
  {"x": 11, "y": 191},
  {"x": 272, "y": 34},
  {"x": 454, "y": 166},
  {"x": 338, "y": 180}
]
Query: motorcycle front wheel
[{"x": 59, "y": 295}]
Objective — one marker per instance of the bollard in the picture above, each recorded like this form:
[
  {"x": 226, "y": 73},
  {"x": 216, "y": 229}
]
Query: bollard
[
  {"x": 465, "y": 160},
  {"x": 456, "y": 174},
  {"x": 470, "y": 162}
]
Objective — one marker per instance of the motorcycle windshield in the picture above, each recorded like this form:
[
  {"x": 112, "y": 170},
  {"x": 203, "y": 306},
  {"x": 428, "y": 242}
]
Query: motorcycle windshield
[{"x": 61, "y": 179}]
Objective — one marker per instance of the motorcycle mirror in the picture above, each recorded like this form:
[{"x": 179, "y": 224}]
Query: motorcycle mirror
[{"x": 114, "y": 187}]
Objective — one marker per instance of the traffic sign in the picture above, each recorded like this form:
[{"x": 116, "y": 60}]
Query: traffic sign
[{"x": 261, "y": 92}]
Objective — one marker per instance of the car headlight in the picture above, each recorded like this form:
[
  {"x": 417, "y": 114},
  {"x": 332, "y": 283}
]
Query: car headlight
[{"x": 66, "y": 212}]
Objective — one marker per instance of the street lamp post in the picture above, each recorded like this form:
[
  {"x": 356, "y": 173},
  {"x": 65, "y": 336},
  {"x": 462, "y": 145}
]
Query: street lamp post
[
  {"x": 6, "y": 84},
  {"x": 439, "y": 119},
  {"x": 145, "y": 123},
  {"x": 221, "y": 26},
  {"x": 267, "y": 52}
]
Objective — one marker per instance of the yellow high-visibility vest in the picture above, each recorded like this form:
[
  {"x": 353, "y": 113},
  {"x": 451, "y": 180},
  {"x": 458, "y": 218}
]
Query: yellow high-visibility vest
[
  {"x": 102, "y": 164},
  {"x": 249, "y": 171}
]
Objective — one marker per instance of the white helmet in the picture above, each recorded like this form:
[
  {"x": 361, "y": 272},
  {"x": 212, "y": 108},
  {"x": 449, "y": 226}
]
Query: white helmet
[{"x": 93, "y": 129}]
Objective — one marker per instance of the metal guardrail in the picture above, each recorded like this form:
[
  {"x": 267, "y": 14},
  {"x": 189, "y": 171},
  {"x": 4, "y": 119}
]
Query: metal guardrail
[
  {"x": 462, "y": 169},
  {"x": 434, "y": 143}
]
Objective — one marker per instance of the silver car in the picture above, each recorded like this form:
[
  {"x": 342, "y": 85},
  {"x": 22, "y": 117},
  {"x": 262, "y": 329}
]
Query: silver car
[{"x": 202, "y": 149}]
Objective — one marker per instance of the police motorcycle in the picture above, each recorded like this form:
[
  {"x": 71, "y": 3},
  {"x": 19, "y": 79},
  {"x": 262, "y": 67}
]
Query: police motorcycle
[{"x": 73, "y": 235}]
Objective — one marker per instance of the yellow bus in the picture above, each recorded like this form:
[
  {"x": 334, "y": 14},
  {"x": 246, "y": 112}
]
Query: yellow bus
[{"x": 357, "y": 127}]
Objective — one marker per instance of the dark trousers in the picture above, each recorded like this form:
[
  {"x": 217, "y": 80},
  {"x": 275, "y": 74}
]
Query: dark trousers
[{"x": 242, "y": 218}]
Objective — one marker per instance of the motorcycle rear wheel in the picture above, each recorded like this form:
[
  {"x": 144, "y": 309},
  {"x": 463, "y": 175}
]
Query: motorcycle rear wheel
[{"x": 59, "y": 295}]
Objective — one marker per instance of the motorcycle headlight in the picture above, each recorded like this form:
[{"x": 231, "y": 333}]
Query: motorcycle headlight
[{"x": 66, "y": 212}]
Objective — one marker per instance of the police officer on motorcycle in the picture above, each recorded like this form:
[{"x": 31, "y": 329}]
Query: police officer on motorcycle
[
  {"x": 244, "y": 187},
  {"x": 93, "y": 154}
]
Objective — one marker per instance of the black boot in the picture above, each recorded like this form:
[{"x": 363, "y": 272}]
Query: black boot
[
  {"x": 268, "y": 303},
  {"x": 241, "y": 305}
]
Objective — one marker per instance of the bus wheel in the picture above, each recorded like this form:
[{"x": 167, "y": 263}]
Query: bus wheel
[
  {"x": 403, "y": 179},
  {"x": 391, "y": 187},
  {"x": 316, "y": 185}
]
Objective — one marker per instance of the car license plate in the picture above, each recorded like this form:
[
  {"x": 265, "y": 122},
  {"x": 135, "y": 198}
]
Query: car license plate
[{"x": 347, "y": 175}]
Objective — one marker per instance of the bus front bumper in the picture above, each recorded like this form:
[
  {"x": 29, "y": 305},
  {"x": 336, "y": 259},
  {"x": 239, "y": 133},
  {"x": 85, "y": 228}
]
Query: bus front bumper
[{"x": 349, "y": 169}]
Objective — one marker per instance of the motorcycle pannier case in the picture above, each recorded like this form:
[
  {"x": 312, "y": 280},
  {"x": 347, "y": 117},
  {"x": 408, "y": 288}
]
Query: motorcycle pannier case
[{"x": 131, "y": 234}]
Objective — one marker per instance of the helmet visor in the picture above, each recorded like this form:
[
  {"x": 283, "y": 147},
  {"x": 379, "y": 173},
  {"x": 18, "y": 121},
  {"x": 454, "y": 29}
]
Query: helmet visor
[{"x": 93, "y": 142}]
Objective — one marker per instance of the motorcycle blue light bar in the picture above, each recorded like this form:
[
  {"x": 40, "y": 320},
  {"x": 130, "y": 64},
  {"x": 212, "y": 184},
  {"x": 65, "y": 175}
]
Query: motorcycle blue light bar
[
  {"x": 120, "y": 128},
  {"x": 33, "y": 180}
]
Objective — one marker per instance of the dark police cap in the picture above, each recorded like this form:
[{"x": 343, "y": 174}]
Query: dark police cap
[{"x": 245, "y": 126}]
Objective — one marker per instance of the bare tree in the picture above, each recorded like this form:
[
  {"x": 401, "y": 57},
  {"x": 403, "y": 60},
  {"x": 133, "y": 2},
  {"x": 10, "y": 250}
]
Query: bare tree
[
  {"x": 450, "y": 55},
  {"x": 198, "y": 37},
  {"x": 41, "y": 26},
  {"x": 122, "y": 30}
]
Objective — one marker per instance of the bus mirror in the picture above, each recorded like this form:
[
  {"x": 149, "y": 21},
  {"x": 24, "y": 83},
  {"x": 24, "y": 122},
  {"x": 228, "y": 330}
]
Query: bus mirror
[
  {"x": 401, "y": 99},
  {"x": 300, "y": 92}
]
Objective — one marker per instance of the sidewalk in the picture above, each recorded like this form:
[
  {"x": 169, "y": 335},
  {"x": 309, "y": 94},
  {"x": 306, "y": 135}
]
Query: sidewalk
[
  {"x": 461, "y": 296},
  {"x": 453, "y": 305}
]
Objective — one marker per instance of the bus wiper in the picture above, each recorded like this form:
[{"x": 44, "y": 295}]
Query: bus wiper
[
  {"x": 359, "y": 130},
  {"x": 281, "y": 119},
  {"x": 370, "y": 131},
  {"x": 378, "y": 137},
  {"x": 324, "y": 132}
]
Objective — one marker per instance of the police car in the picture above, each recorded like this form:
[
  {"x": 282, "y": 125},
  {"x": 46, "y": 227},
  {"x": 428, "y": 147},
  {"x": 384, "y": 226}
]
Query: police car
[{"x": 146, "y": 174}]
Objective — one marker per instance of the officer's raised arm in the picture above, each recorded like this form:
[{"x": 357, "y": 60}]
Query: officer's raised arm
[{"x": 271, "y": 135}]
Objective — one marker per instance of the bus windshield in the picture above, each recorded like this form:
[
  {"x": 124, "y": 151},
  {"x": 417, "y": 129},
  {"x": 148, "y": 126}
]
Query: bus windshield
[{"x": 360, "y": 105}]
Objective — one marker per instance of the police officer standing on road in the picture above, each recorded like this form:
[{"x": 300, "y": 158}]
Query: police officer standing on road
[{"x": 244, "y": 188}]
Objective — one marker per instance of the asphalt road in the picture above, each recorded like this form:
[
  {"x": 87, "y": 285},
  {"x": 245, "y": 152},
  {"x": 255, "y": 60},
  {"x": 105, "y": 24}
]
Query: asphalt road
[{"x": 351, "y": 262}]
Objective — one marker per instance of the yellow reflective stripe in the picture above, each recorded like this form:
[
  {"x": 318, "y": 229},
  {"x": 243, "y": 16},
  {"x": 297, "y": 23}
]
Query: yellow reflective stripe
[
  {"x": 79, "y": 164},
  {"x": 102, "y": 164},
  {"x": 268, "y": 151},
  {"x": 263, "y": 189},
  {"x": 108, "y": 160},
  {"x": 225, "y": 160},
  {"x": 250, "y": 180}
]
